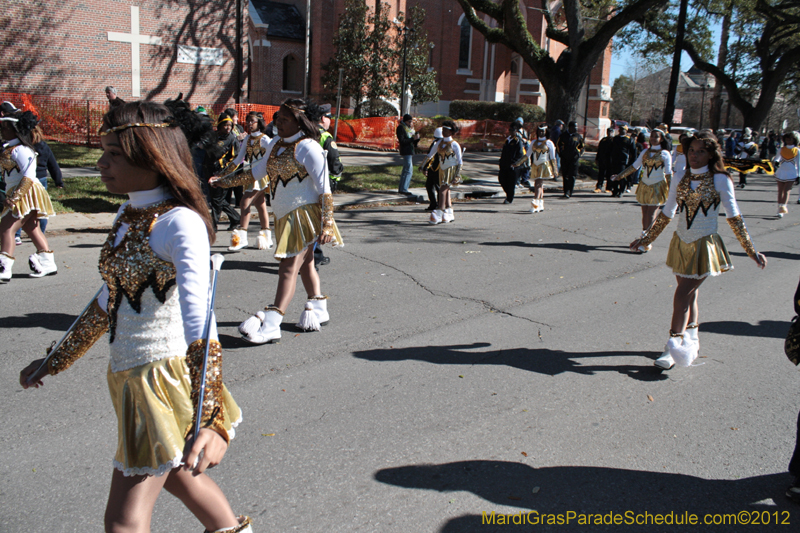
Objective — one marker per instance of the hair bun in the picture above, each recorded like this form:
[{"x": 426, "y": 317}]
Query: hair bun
[{"x": 27, "y": 121}]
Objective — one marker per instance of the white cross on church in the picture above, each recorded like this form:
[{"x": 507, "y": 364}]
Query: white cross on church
[{"x": 135, "y": 39}]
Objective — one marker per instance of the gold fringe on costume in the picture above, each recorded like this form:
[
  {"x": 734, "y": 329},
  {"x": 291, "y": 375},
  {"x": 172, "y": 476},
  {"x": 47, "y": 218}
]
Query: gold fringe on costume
[
  {"x": 707, "y": 256},
  {"x": 300, "y": 228},
  {"x": 655, "y": 194},
  {"x": 154, "y": 412},
  {"x": 32, "y": 197}
]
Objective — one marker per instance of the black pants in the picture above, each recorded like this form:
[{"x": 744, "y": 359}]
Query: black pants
[
  {"x": 216, "y": 199},
  {"x": 603, "y": 174},
  {"x": 432, "y": 186},
  {"x": 508, "y": 181},
  {"x": 742, "y": 178},
  {"x": 614, "y": 186},
  {"x": 318, "y": 255},
  {"x": 569, "y": 172},
  {"x": 236, "y": 194},
  {"x": 794, "y": 464}
]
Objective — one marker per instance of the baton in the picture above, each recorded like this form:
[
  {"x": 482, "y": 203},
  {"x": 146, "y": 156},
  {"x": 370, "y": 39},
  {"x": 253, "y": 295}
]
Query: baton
[
  {"x": 55, "y": 346},
  {"x": 216, "y": 264}
]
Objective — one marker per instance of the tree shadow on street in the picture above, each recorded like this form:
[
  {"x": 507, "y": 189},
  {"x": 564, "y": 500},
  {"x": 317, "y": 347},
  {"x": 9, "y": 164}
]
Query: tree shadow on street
[
  {"x": 51, "y": 321},
  {"x": 592, "y": 490},
  {"x": 541, "y": 360},
  {"x": 775, "y": 329},
  {"x": 567, "y": 246}
]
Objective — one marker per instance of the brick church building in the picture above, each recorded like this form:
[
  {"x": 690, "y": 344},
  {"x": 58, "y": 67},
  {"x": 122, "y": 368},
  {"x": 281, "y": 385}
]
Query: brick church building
[{"x": 228, "y": 51}]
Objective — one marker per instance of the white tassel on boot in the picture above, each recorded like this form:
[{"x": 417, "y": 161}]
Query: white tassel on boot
[
  {"x": 534, "y": 206},
  {"x": 238, "y": 239},
  {"x": 42, "y": 264},
  {"x": 251, "y": 326},
  {"x": 448, "y": 215},
  {"x": 308, "y": 319},
  {"x": 6, "y": 264},
  {"x": 264, "y": 327},
  {"x": 693, "y": 334},
  {"x": 436, "y": 216},
  {"x": 265, "y": 240},
  {"x": 684, "y": 353}
]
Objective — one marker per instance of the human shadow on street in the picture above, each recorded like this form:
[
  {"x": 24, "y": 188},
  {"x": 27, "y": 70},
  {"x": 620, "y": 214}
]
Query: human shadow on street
[
  {"x": 541, "y": 360},
  {"x": 775, "y": 329},
  {"x": 780, "y": 255},
  {"x": 260, "y": 267},
  {"x": 567, "y": 246},
  {"x": 592, "y": 490},
  {"x": 86, "y": 245},
  {"x": 51, "y": 321}
]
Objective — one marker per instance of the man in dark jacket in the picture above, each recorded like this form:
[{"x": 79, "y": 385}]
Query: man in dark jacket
[
  {"x": 513, "y": 151},
  {"x": 217, "y": 157},
  {"x": 623, "y": 154},
  {"x": 408, "y": 140},
  {"x": 570, "y": 149},
  {"x": 603, "y": 159}
]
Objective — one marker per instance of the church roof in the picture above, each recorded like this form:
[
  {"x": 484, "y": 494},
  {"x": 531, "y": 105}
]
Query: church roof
[{"x": 285, "y": 21}]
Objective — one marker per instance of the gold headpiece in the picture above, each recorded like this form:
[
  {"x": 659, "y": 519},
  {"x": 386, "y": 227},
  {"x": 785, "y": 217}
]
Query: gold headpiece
[
  {"x": 294, "y": 108},
  {"x": 137, "y": 125},
  {"x": 225, "y": 118}
]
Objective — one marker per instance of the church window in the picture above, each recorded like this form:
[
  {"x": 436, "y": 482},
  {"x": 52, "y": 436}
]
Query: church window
[
  {"x": 292, "y": 75},
  {"x": 465, "y": 43}
]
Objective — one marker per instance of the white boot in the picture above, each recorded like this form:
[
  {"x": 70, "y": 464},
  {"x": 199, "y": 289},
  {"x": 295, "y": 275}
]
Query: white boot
[
  {"x": 666, "y": 361},
  {"x": 238, "y": 239},
  {"x": 683, "y": 353},
  {"x": 541, "y": 204},
  {"x": 436, "y": 216},
  {"x": 448, "y": 215},
  {"x": 534, "y": 206},
  {"x": 264, "y": 327},
  {"x": 782, "y": 210},
  {"x": 315, "y": 314},
  {"x": 265, "y": 240},
  {"x": 6, "y": 264},
  {"x": 42, "y": 264},
  {"x": 693, "y": 334},
  {"x": 245, "y": 526}
]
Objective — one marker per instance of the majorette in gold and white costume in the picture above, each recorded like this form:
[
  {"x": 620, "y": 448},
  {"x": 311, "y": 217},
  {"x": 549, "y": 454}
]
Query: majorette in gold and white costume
[
  {"x": 18, "y": 165},
  {"x": 656, "y": 165},
  {"x": 155, "y": 264},
  {"x": 788, "y": 163},
  {"x": 542, "y": 153},
  {"x": 696, "y": 250},
  {"x": 300, "y": 193},
  {"x": 450, "y": 162}
]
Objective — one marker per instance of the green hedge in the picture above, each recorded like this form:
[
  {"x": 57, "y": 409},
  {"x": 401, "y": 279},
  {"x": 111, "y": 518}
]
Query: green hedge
[{"x": 508, "y": 112}]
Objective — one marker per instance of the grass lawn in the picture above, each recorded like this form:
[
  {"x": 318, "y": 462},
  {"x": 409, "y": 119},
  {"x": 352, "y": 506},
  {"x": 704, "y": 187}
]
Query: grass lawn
[
  {"x": 379, "y": 178},
  {"x": 84, "y": 195},
  {"x": 70, "y": 156}
]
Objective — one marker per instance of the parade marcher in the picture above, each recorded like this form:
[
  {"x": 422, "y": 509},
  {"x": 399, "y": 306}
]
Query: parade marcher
[
  {"x": 237, "y": 129},
  {"x": 252, "y": 149},
  {"x": 26, "y": 201},
  {"x": 303, "y": 207},
  {"x": 523, "y": 172},
  {"x": 45, "y": 162},
  {"x": 746, "y": 149},
  {"x": 154, "y": 305},
  {"x": 655, "y": 165},
  {"x": 449, "y": 152},
  {"x": 603, "y": 160},
  {"x": 431, "y": 170},
  {"x": 408, "y": 139},
  {"x": 788, "y": 169},
  {"x": 335, "y": 167},
  {"x": 513, "y": 150},
  {"x": 555, "y": 134},
  {"x": 542, "y": 155},
  {"x": 570, "y": 150},
  {"x": 696, "y": 250},
  {"x": 623, "y": 152},
  {"x": 218, "y": 155}
]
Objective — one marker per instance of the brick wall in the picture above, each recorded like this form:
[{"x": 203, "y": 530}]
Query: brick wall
[{"x": 62, "y": 48}]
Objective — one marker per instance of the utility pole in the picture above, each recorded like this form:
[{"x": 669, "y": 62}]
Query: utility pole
[
  {"x": 308, "y": 47},
  {"x": 669, "y": 109},
  {"x": 338, "y": 105}
]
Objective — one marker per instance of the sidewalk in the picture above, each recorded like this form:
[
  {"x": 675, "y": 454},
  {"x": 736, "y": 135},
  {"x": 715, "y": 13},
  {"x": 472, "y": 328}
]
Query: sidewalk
[{"x": 481, "y": 167}]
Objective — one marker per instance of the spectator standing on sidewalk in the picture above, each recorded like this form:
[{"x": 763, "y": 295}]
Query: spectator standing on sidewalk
[
  {"x": 408, "y": 140},
  {"x": 113, "y": 99},
  {"x": 603, "y": 159},
  {"x": 570, "y": 149}
]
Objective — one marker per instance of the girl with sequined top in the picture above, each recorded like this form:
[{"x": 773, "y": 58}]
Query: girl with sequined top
[
  {"x": 26, "y": 200},
  {"x": 302, "y": 202},
  {"x": 542, "y": 154},
  {"x": 153, "y": 304},
  {"x": 653, "y": 188},
  {"x": 788, "y": 161},
  {"x": 449, "y": 152},
  {"x": 251, "y": 151},
  {"x": 696, "y": 250}
]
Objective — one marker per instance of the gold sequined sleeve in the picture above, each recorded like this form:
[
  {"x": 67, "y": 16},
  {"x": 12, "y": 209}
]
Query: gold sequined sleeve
[
  {"x": 457, "y": 176},
  {"x": 212, "y": 414},
  {"x": 91, "y": 325},
  {"x": 229, "y": 169},
  {"x": 240, "y": 177},
  {"x": 21, "y": 190},
  {"x": 655, "y": 230},
  {"x": 625, "y": 173},
  {"x": 326, "y": 205},
  {"x": 740, "y": 230}
]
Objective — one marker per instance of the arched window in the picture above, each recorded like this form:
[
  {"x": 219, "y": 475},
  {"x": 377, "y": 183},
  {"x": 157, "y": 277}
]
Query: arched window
[
  {"x": 464, "y": 43},
  {"x": 292, "y": 76}
]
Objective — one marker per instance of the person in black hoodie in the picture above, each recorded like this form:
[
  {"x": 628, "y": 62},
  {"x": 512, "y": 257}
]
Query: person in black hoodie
[
  {"x": 570, "y": 149},
  {"x": 513, "y": 151},
  {"x": 603, "y": 159},
  {"x": 623, "y": 154}
]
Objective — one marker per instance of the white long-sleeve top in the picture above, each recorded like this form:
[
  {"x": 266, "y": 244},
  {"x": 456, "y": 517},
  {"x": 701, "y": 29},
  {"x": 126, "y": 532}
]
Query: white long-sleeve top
[
  {"x": 788, "y": 163},
  {"x": 25, "y": 164},
  {"x": 656, "y": 174},
  {"x": 179, "y": 237},
  {"x": 539, "y": 158},
  {"x": 296, "y": 193},
  {"x": 263, "y": 141},
  {"x": 704, "y": 223},
  {"x": 447, "y": 162}
]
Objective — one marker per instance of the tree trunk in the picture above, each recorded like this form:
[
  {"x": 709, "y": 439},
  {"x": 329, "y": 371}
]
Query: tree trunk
[{"x": 722, "y": 58}]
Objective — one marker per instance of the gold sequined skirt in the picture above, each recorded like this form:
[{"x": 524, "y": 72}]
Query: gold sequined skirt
[
  {"x": 37, "y": 200},
  {"x": 707, "y": 256},
  {"x": 154, "y": 413},
  {"x": 257, "y": 185},
  {"x": 541, "y": 171},
  {"x": 652, "y": 194},
  {"x": 448, "y": 176},
  {"x": 300, "y": 228}
]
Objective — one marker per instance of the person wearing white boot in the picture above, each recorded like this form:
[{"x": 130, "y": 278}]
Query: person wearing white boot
[
  {"x": 154, "y": 306},
  {"x": 696, "y": 250},
  {"x": 26, "y": 200},
  {"x": 251, "y": 151},
  {"x": 303, "y": 207},
  {"x": 542, "y": 154},
  {"x": 788, "y": 169},
  {"x": 653, "y": 188},
  {"x": 450, "y": 162}
]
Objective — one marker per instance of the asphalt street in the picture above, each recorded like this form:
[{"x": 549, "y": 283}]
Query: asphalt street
[{"x": 502, "y": 363}]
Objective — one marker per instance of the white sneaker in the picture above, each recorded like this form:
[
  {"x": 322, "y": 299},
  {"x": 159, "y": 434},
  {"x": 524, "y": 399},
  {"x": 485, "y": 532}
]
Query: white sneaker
[
  {"x": 238, "y": 239},
  {"x": 17, "y": 240},
  {"x": 42, "y": 264},
  {"x": 436, "y": 216},
  {"x": 262, "y": 328},
  {"x": 448, "y": 215}
]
